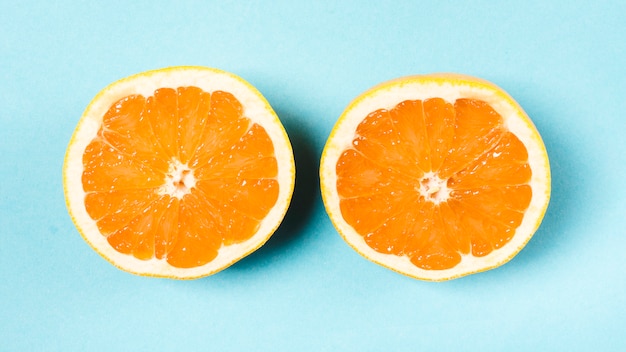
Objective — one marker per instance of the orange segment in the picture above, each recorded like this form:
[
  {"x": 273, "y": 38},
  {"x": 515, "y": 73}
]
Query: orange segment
[
  {"x": 379, "y": 139},
  {"x": 137, "y": 237},
  {"x": 359, "y": 176},
  {"x": 130, "y": 135},
  {"x": 381, "y": 209},
  {"x": 365, "y": 186},
  {"x": 197, "y": 241},
  {"x": 507, "y": 165},
  {"x": 485, "y": 232},
  {"x": 166, "y": 231},
  {"x": 107, "y": 169},
  {"x": 224, "y": 126},
  {"x": 409, "y": 122},
  {"x": 396, "y": 233},
  {"x": 477, "y": 128},
  {"x": 193, "y": 113},
  {"x": 113, "y": 209},
  {"x": 161, "y": 111},
  {"x": 455, "y": 234},
  {"x": 249, "y": 156},
  {"x": 436, "y": 248},
  {"x": 439, "y": 116},
  {"x": 234, "y": 225},
  {"x": 253, "y": 198},
  {"x": 179, "y": 182}
]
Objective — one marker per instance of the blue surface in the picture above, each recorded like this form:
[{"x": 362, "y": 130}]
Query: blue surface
[{"x": 306, "y": 290}]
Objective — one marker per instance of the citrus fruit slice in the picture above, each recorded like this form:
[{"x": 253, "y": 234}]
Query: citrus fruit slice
[
  {"x": 435, "y": 176},
  {"x": 178, "y": 172}
]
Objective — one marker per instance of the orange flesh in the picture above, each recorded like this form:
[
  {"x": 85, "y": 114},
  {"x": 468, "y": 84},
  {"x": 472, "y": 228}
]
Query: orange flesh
[
  {"x": 179, "y": 174},
  {"x": 432, "y": 181}
]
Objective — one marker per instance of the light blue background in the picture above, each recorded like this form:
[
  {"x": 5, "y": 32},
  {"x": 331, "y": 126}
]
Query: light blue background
[{"x": 307, "y": 290}]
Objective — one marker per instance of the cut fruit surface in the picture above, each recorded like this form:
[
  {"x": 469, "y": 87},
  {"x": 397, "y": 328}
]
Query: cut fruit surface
[
  {"x": 178, "y": 172},
  {"x": 435, "y": 176}
]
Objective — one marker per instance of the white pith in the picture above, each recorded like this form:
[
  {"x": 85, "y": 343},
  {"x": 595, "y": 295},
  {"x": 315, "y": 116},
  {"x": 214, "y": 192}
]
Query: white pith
[
  {"x": 433, "y": 189},
  {"x": 180, "y": 179},
  {"x": 449, "y": 88}
]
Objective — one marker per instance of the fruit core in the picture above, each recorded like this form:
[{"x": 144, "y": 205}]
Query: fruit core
[
  {"x": 433, "y": 189},
  {"x": 179, "y": 180}
]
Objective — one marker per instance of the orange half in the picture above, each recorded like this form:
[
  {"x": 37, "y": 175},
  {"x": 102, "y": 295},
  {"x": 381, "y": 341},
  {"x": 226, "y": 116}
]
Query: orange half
[
  {"x": 178, "y": 172},
  {"x": 436, "y": 176}
]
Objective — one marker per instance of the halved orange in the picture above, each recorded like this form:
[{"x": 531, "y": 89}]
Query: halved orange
[
  {"x": 435, "y": 176},
  {"x": 178, "y": 172}
]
